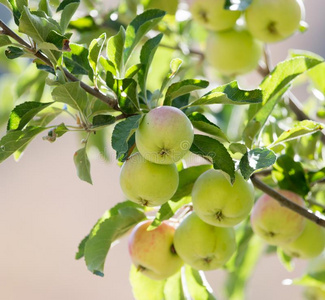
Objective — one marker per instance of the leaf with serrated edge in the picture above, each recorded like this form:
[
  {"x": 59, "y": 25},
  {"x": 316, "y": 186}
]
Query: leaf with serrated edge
[
  {"x": 197, "y": 285},
  {"x": 122, "y": 133},
  {"x": 115, "y": 48},
  {"x": 274, "y": 86},
  {"x": 115, "y": 223},
  {"x": 23, "y": 113},
  {"x": 95, "y": 49},
  {"x": 200, "y": 122},
  {"x": 17, "y": 139},
  {"x": 67, "y": 13},
  {"x": 256, "y": 159},
  {"x": 82, "y": 164},
  {"x": 300, "y": 129},
  {"x": 139, "y": 27},
  {"x": 229, "y": 93},
  {"x": 215, "y": 152},
  {"x": 183, "y": 87},
  {"x": 72, "y": 94},
  {"x": 148, "y": 51}
]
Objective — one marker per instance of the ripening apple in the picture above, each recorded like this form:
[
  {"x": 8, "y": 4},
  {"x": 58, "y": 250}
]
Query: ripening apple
[
  {"x": 152, "y": 252},
  {"x": 233, "y": 52},
  {"x": 203, "y": 246},
  {"x": 169, "y": 6},
  {"x": 217, "y": 202},
  {"x": 212, "y": 15},
  {"x": 147, "y": 183},
  {"x": 309, "y": 244},
  {"x": 165, "y": 135},
  {"x": 276, "y": 224},
  {"x": 274, "y": 20}
]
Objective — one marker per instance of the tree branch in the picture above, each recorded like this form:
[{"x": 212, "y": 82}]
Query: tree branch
[
  {"x": 110, "y": 101},
  {"x": 308, "y": 214}
]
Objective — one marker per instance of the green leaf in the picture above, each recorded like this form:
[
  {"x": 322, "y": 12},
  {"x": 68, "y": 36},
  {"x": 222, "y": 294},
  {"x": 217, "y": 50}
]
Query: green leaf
[
  {"x": 144, "y": 288},
  {"x": 128, "y": 95},
  {"x": 55, "y": 41},
  {"x": 81, "y": 248},
  {"x": 133, "y": 70},
  {"x": 115, "y": 48},
  {"x": 290, "y": 175},
  {"x": 300, "y": 129},
  {"x": 37, "y": 26},
  {"x": 102, "y": 120},
  {"x": 46, "y": 116},
  {"x": 121, "y": 135},
  {"x": 139, "y": 27},
  {"x": 84, "y": 24},
  {"x": 314, "y": 176},
  {"x": 14, "y": 140},
  {"x": 173, "y": 289},
  {"x": 316, "y": 75},
  {"x": 17, "y": 6},
  {"x": 200, "y": 122},
  {"x": 237, "y": 148},
  {"x": 44, "y": 5},
  {"x": 95, "y": 49},
  {"x": 240, "y": 5},
  {"x": 273, "y": 87},
  {"x": 72, "y": 94},
  {"x": 187, "y": 178},
  {"x": 146, "y": 56},
  {"x": 285, "y": 259},
  {"x": 4, "y": 41},
  {"x": 197, "y": 285},
  {"x": 167, "y": 210},
  {"x": 68, "y": 8},
  {"x": 183, "y": 87},
  {"x": 229, "y": 93},
  {"x": 114, "y": 223},
  {"x": 76, "y": 60},
  {"x": 13, "y": 52},
  {"x": 258, "y": 158},
  {"x": 82, "y": 164},
  {"x": 215, "y": 152},
  {"x": 23, "y": 113},
  {"x": 313, "y": 280}
]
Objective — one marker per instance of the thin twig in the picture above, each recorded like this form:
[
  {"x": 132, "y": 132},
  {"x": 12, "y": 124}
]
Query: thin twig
[
  {"x": 320, "y": 220},
  {"x": 110, "y": 101}
]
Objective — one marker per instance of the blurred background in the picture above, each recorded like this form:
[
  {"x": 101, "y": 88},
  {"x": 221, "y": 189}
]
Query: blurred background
[{"x": 45, "y": 211}]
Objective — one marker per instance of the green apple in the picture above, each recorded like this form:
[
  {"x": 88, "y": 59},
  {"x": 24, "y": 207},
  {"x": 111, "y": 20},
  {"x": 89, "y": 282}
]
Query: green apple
[
  {"x": 309, "y": 244},
  {"x": 274, "y": 20},
  {"x": 276, "y": 224},
  {"x": 147, "y": 183},
  {"x": 212, "y": 15},
  {"x": 152, "y": 252},
  {"x": 203, "y": 246},
  {"x": 233, "y": 52},
  {"x": 165, "y": 135},
  {"x": 314, "y": 293},
  {"x": 217, "y": 202},
  {"x": 169, "y": 6}
]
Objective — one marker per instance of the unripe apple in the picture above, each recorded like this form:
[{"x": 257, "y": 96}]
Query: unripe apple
[
  {"x": 165, "y": 135},
  {"x": 276, "y": 224},
  {"x": 309, "y": 244},
  {"x": 203, "y": 246},
  {"x": 274, "y": 20},
  {"x": 212, "y": 15},
  {"x": 233, "y": 52},
  {"x": 147, "y": 183},
  {"x": 152, "y": 252},
  {"x": 217, "y": 202}
]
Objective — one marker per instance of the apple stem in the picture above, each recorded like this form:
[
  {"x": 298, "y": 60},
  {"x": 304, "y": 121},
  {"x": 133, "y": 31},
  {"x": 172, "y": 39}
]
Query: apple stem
[{"x": 308, "y": 214}]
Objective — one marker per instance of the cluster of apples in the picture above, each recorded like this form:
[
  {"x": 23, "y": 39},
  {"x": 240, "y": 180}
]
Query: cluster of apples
[
  {"x": 234, "y": 49},
  {"x": 205, "y": 238},
  {"x": 279, "y": 226}
]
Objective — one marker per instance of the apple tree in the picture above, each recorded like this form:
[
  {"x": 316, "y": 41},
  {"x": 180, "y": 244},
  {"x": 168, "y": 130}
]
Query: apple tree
[{"x": 215, "y": 172}]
